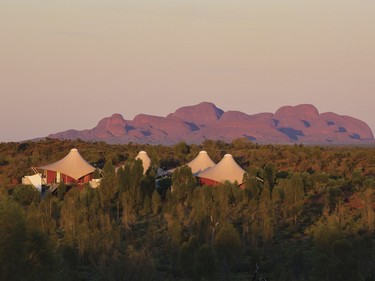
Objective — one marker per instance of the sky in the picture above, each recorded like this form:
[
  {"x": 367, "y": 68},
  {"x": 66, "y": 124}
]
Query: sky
[{"x": 68, "y": 64}]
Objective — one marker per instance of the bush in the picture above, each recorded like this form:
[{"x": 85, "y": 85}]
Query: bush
[{"x": 26, "y": 194}]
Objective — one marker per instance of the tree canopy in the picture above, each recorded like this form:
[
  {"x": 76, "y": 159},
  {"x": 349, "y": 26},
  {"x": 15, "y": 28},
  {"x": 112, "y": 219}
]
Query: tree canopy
[{"x": 303, "y": 213}]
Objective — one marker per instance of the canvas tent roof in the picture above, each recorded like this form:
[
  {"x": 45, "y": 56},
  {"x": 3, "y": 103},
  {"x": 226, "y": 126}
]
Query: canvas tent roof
[
  {"x": 146, "y": 161},
  {"x": 35, "y": 180},
  {"x": 200, "y": 163},
  {"x": 226, "y": 170},
  {"x": 72, "y": 165}
]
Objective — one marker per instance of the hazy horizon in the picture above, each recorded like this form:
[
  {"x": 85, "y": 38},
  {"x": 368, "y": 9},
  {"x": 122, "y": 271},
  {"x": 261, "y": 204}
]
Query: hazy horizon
[{"x": 66, "y": 65}]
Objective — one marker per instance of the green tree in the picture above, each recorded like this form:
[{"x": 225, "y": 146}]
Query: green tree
[
  {"x": 138, "y": 264},
  {"x": 121, "y": 180},
  {"x": 183, "y": 182},
  {"x": 12, "y": 241},
  {"x": 266, "y": 213},
  {"x": 227, "y": 245},
  {"x": 148, "y": 184},
  {"x": 344, "y": 265},
  {"x": 155, "y": 202},
  {"x": 204, "y": 263},
  {"x": 270, "y": 175},
  {"x": 129, "y": 211},
  {"x": 181, "y": 150},
  {"x": 41, "y": 261},
  {"x": 294, "y": 199},
  {"x": 108, "y": 186},
  {"x": 187, "y": 255},
  {"x": 368, "y": 213},
  {"x": 26, "y": 194},
  {"x": 146, "y": 206},
  {"x": 69, "y": 220},
  {"x": 174, "y": 236},
  {"x": 133, "y": 173}
]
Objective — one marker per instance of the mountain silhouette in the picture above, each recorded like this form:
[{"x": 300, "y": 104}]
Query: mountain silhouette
[{"x": 193, "y": 124}]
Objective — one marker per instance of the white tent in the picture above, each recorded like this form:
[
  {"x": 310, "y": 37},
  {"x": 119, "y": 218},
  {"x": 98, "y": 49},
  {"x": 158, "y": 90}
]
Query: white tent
[
  {"x": 35, "y": 180},
  {"x": 72, "y": 165},
  {"x": 200, "y": 163},
  {"x": 146, "y": 161},
  {"x": 226, "y": 170}
]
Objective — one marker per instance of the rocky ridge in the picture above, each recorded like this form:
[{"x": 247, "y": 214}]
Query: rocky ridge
[{"x": 193, "y": 124}]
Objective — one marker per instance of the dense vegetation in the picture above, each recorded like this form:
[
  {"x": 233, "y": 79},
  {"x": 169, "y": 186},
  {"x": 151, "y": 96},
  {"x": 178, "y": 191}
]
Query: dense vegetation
[{"x": 310, "y": 218}]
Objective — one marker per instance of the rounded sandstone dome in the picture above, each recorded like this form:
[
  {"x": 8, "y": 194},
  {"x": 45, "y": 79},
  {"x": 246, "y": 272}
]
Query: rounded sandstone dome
[{"x": 304, "y": 111}]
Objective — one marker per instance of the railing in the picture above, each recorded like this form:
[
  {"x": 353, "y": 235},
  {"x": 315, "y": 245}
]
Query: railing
[{"x": 51, "y": 189}]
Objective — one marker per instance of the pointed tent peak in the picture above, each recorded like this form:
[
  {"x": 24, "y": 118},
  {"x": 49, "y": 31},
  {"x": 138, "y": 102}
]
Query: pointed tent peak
[
  {"x": 146, "y": 161},
  {"x": 228, "y": 160},
  {"x": 142, "y": 154},
  {"x": 74, "y": 153},
  {"x": 201, "y": 163}
]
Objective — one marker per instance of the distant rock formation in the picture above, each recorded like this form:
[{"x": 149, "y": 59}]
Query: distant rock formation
[{"x": 194, "y": 124}]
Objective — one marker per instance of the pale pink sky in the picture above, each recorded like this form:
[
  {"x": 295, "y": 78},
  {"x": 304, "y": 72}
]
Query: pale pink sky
[{"x": 67, "y": 64}]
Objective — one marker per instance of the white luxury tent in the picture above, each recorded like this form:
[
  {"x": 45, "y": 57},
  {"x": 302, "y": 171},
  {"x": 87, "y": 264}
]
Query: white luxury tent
[
  {"x": 226, "y": 170},
  {"x": 72, "y": 165},
  {"x": 146, "y": 161},
  {"x": 71, "y": 169}
]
